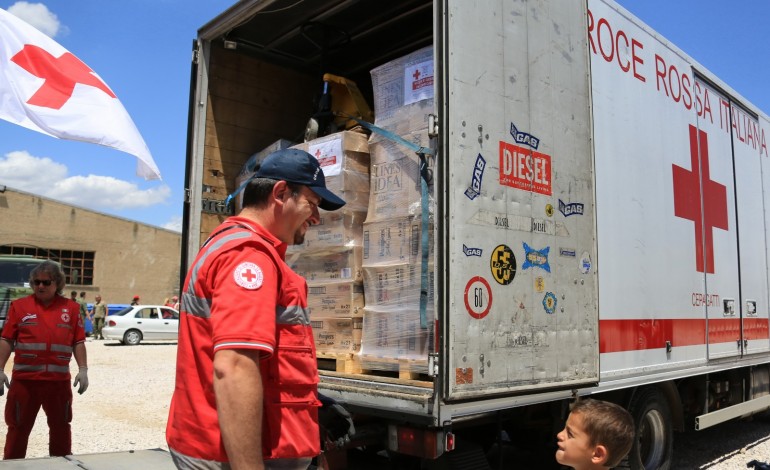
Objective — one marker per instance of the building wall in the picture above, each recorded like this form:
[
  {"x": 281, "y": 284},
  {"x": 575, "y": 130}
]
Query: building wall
[{"x": 131, "y": 258}]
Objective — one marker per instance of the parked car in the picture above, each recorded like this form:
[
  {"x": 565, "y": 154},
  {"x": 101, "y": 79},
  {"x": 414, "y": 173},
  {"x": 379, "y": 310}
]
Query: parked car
[
  {"x": 112, "y": 309},
  {"x": 142, "y": 322}
]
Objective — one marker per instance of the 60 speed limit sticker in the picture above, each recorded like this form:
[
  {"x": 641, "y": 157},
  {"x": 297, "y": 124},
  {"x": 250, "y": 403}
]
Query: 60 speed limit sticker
[{"x": 478, "y": 297}]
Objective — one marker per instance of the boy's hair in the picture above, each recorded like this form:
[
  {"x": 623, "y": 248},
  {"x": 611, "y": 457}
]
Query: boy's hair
[{"x": 607, "y": 424}]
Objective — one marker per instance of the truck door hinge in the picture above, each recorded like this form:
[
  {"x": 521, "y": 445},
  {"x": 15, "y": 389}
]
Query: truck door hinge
[
  {"x": 187, "y": 195},
  {"x": 432, "y": 125},
  {"x": 433, "y": 364},
  {"x": 195, "y": 56}
]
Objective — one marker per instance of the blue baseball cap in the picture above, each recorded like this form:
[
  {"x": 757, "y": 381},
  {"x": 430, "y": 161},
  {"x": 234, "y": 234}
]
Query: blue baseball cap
[{"x": 299, "y": 167}]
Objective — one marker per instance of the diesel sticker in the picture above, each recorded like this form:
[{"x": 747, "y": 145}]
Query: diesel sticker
[
  {"x": 503, "y": 265},
  {"x": 522, "y": 168},
  {"x": 478, "y": 173},
  {"x": 536, "y": 258}
]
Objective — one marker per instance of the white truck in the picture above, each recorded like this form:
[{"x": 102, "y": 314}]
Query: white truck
[{"x": 599, "y": 207}]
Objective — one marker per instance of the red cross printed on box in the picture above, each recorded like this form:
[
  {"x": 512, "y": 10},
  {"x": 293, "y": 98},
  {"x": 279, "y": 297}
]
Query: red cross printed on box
[
  {"x": 61, "y": 74},
  {"x": 693, "y": 186},
  {"x": 416, "y": 74}
]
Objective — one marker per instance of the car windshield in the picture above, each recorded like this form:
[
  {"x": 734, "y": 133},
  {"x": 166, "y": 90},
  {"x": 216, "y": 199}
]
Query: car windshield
[
  {"x": 124, "y": 311},
  {"x": 16, "y": 272}
]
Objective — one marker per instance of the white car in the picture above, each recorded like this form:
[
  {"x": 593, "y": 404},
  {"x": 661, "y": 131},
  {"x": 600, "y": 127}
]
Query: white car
[{"x": 142, "y": 322}]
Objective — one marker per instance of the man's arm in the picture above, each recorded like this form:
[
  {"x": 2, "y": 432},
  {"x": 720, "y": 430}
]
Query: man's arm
[
  {"x": 79, "y": 352},
  {"x": 5, "y": 352},
  {"x": 238, "y": 390}
]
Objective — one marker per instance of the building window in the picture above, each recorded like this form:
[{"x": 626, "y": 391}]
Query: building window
[{"x": 78, "y": 266}]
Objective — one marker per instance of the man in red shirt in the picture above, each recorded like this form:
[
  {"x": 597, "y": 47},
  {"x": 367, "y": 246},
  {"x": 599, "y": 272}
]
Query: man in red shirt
[
  {"x": 45, "y": 330},
  {"x": 246, "y": 383}
]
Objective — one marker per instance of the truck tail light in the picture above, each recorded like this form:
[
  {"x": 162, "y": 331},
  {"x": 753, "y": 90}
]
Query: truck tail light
[
  {"x": 424, "y": 443},
  {"x": 449, "y": 443}
]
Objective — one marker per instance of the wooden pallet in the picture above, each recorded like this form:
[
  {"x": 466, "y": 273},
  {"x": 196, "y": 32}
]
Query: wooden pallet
[{"x": 352, "y": 363}]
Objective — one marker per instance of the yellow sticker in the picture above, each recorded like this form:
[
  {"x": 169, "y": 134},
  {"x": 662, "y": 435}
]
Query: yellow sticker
[
  {"x": 539, "y": 284},
  {"x": 549, "y": 210}
]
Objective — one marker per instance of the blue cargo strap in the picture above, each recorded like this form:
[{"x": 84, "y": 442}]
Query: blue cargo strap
[{"x": 424, "y": 176}]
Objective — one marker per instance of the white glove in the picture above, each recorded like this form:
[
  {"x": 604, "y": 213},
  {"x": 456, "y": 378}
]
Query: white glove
[
  {"x": 4, "y": 380},
  {"x": 82, "y": 379}
]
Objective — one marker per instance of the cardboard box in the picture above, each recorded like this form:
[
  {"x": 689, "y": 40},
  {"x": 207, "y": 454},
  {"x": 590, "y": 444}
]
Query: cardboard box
[
  {"x": 397, "y": 240},
  {"x": 336, "y": 264},
  {"x": 340, "y": 228},
  {"x": 336, "y": 335},
  {"x": 342, "y": 299},
  {"x": 403, "y": 93}
]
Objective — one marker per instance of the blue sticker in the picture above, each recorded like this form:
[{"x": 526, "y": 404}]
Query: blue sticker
[
  {"x": 537, "y": 258},
  {"x": 572, "y": 208},
  {"x": 478, "y": 173},
  {"x": 549, "y": 303},
  {"x": 567, "y": 252},
  {"x": 524, "y": 138},
  {"x": 471, "y": 251}
]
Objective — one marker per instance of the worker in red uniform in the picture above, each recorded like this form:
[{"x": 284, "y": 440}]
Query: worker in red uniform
[
  {"x": 45, "y": 330},
  {"x": 246, "y": 380}
]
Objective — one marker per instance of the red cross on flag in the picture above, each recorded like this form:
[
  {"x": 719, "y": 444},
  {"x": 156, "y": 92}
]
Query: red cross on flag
[{"x": 46, "y": 88}]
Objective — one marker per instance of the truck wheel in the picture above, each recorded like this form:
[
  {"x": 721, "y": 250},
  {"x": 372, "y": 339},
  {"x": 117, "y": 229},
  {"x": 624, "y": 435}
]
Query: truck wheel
[
  {"x": 132, "y": 337},
  {"x": 654, "y": 443}
]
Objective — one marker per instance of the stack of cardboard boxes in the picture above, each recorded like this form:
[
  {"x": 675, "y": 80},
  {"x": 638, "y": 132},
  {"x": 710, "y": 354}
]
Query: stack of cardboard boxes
[
  {"x": 330, "y": 257},
  {"x": 392, "y": 248}
]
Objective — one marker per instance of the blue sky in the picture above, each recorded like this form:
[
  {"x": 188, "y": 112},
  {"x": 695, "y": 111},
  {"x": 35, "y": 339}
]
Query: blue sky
[{"x": 142, "y": 50}]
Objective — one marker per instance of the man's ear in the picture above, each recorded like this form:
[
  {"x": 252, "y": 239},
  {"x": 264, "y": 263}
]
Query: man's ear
[
  {"x": 281, "y": 191},
  {"x": 600, "y": 455}
]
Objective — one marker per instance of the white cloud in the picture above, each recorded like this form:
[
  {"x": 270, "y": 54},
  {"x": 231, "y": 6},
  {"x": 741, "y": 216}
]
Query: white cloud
[
  {"x": 43, "y": 176},
  {"x": 39, "y": 16},
  {"x": 174, "y": 224}
]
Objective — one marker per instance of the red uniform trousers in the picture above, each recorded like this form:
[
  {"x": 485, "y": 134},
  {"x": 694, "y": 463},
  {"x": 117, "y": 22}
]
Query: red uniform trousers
[{"x": 25, "y": 397}]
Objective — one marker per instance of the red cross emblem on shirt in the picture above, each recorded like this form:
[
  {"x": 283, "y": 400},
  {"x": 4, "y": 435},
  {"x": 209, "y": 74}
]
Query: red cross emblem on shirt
[
  {"x": 61, "y": 74},
  {"x": 692, "y": 186},
  {"x": 249, "y": 275}
]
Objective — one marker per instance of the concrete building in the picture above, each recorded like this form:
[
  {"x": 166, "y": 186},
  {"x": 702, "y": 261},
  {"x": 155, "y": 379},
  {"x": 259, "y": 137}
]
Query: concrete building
[{"x": 101, "y": 254}]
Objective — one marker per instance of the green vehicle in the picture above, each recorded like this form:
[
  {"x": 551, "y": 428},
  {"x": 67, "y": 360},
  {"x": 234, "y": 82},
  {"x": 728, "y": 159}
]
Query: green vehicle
[{"x": 14, "y": 280}]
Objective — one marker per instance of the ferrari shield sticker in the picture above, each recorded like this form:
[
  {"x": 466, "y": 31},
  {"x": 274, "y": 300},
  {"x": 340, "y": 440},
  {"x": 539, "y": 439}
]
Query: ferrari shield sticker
[{"x": 248, "y": 275}]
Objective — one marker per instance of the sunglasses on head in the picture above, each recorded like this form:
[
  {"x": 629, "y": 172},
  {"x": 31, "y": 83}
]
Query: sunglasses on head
[{"x": 46, "y": 282}]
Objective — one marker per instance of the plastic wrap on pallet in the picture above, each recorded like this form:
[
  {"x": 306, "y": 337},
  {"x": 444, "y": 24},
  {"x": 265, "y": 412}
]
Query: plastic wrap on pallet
[
  {"x": 396, "y": 240},
  {"x": 340, "y": 228},
  {"x": 403, "y": 93},
  {"x": 392, "y": 339},
  {"x": 396, "y": 285},
  {"x": 338, "y": 299},
  {"x": 334, "y": 264},
  {"x": 336, "y": 335},
  {"x": 396, "y": 180}
]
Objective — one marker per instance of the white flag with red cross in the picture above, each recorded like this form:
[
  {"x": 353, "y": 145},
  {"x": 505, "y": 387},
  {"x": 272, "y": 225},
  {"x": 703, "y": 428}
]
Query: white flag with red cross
[{"x": 44, "y": 87}]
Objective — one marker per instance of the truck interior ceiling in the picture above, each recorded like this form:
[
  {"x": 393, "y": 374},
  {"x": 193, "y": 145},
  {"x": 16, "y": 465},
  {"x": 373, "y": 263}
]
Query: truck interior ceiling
[{"x": 286, "y": 46}]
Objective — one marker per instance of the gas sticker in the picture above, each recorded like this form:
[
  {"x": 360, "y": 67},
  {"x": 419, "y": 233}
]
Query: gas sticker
[
  {"x": 478, "y": 173},
  {"x": 503, "y": 265},
  {"x": 478, "y": 297}
]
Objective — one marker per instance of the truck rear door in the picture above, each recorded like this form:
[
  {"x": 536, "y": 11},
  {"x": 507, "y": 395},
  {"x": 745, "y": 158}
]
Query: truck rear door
[{"x": 520, "y": 246}]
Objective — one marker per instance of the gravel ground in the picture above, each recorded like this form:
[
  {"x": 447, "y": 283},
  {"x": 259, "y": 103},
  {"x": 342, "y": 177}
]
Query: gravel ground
[
  {"x": 126, "y": 404},
  {"x": 126, "y": 407}
]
